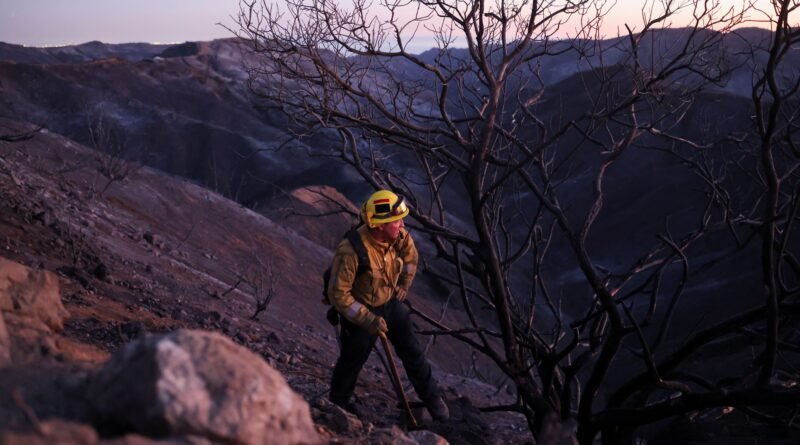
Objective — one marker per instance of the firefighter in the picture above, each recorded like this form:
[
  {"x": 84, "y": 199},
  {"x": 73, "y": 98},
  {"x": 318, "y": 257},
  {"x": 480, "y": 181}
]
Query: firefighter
[{"x": 370, "y": 303}]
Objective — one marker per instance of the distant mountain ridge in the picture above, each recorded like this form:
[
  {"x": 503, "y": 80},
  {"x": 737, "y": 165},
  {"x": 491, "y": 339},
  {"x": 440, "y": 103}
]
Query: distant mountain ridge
[
  {"x": 184, "y": 109},
  {"x": 83, "y": 52},
  {"x": 557, "y": 68}
]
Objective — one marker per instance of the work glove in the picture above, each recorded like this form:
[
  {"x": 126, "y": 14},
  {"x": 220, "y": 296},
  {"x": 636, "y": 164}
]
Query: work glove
[
  {"x": 377, "y": 326},
  {"x": 401, "y": 294}
]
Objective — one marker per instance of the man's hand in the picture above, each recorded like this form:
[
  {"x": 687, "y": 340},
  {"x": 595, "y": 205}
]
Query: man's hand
[
  {"x": 377, "y": 326},
  {"x": 401, "y": 294}
]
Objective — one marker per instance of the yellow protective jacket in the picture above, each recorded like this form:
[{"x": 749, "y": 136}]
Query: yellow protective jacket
[{"x": 392, "y": 266}]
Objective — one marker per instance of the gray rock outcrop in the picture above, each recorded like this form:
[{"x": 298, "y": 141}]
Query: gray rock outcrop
[{"x": 199, "y": 383}]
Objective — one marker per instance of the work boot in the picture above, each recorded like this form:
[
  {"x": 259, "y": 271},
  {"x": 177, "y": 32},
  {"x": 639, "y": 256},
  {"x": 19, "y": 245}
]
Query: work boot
[{"x": 438, "y": 409}]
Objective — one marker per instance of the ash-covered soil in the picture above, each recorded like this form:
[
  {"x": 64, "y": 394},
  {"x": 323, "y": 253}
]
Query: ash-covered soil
[{"x": 152, "y": 253}]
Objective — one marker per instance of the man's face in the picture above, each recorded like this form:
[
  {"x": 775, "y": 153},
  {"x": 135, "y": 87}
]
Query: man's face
[{"x": 391, "y": 230}]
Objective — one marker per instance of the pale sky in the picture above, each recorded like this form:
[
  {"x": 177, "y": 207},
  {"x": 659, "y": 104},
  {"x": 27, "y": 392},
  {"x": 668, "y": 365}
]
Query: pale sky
[{"x": 62, "y": 22}]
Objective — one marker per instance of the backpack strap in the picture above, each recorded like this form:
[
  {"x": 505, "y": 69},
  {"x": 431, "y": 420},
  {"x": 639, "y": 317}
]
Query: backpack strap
[
  {"x": 354, "y": 239},
  {"x": 361, "y": 251}
]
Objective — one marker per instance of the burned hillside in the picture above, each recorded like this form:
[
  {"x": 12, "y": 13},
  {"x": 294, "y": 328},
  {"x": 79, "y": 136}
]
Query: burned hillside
[{"x": 164, "y": 196}]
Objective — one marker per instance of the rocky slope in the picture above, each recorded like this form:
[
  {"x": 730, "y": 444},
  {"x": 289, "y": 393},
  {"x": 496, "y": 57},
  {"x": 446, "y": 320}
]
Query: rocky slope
[{"x": 152, "y": 253}]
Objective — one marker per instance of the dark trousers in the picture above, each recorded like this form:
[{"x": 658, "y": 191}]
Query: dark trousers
[{"x": 357, "y": 344}]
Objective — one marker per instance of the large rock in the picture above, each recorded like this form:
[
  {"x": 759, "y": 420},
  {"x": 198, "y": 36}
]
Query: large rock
[
  {"x": 5, "y": 344},
  {"x": 31, "y": 293},
  {"x": 199, "y": 383}
]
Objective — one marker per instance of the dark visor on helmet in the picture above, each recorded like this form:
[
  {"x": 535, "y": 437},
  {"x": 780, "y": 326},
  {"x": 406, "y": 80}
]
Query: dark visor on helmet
[{"x": 383, "y": 211}]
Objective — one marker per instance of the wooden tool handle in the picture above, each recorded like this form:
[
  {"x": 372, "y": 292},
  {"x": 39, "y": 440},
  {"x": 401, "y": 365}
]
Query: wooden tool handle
[{"x": 398, "y": 385}]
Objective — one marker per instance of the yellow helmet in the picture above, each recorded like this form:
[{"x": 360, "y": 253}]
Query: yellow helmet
[{"x": 383, "y": 207}]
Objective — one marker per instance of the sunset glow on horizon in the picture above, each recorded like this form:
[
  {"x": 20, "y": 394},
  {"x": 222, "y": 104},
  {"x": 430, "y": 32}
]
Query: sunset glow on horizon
[{"x": 58, "y": 23}]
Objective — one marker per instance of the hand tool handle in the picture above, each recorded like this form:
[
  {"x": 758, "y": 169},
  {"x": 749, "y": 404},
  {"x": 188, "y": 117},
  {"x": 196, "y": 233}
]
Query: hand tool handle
[{"x": 398, "y": 385}]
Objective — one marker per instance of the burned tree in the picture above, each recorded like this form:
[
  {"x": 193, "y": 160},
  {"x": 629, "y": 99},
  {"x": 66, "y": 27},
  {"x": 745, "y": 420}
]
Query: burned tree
[
  {"x": 262, "y": 280},
  {"x": 115, "y": 156},
  {"x": 517, "y": 174},
  {"x": 776, "y": 107}
]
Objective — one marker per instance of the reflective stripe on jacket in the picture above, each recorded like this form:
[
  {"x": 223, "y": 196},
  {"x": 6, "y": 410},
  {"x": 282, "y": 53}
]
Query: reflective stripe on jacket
[{"x": 392, "y": 266}]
